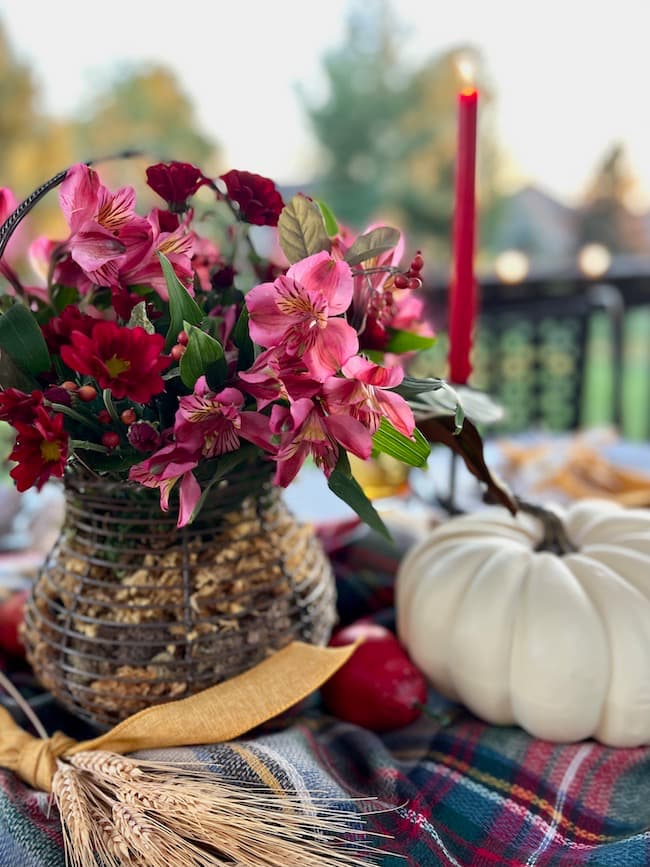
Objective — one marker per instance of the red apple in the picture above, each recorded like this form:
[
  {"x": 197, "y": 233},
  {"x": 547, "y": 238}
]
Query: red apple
[
  {"x": 11, "y": 617},
  {"x": 378, "y": 688}
]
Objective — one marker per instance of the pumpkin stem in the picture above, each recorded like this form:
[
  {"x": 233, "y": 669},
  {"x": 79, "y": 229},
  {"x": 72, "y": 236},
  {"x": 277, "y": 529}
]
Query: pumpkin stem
[{"x": 555, "y": 538}]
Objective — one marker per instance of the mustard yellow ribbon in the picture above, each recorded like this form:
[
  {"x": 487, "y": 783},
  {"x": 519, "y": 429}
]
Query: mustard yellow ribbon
[{"x": 219, "y": 713}]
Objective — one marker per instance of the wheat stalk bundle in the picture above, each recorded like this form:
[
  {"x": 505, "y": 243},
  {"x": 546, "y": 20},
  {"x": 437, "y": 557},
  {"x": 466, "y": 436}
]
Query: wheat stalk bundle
[{"x": 121, "y": 811}]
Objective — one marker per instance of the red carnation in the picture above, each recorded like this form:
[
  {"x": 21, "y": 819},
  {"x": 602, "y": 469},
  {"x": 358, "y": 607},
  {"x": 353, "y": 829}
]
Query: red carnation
[
  {"x": 41, "y": 450},
  {"x": 127, "y": 360},
  {"x": 259, "y": 201},
  {"x": 58, "y": 330},
  {"x": 175, "y": 182},
  {"x": 17, "y": 406}
]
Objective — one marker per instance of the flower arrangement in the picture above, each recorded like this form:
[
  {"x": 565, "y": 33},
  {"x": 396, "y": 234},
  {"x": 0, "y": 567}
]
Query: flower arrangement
[{"x": 150, "y": 353}]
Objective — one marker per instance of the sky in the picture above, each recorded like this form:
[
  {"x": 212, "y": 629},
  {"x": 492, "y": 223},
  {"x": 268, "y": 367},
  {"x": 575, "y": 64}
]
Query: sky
[{"x": 571, "y": 76}]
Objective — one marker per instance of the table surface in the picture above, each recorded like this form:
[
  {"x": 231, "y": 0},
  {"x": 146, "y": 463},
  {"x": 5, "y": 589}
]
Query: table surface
[{"x": 463, "y": 794}]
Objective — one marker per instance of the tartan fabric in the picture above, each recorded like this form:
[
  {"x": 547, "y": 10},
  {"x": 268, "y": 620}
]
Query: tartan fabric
[{"x": 467, "y": 795}]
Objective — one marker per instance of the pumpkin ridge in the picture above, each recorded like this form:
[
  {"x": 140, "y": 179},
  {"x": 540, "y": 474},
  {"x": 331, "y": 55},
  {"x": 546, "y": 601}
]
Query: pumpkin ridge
[{"x": 626, "y": 617}]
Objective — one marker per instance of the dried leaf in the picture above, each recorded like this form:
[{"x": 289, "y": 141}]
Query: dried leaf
[
  {"x": 302, "y": 229},
  {"x": 367, "y": 246},
  {"x": 469, "y": 446},
  {"x": 140, "y": 319}
]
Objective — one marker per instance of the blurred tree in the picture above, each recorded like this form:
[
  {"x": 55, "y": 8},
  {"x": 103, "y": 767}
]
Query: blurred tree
[
  {"x": 425, "y": 178},
  {"x": 146, "y": 109},
  {"x": 388, "y": 133},
  {"x": 18, "y": 109},
  {"x": 604, "y": 217},
  {"x": 357, "y": 126},
  {"x": 143, "y": 109}
]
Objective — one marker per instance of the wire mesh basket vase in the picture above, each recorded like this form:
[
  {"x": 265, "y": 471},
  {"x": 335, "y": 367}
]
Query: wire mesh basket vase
[{"x": 130, "y": 611}]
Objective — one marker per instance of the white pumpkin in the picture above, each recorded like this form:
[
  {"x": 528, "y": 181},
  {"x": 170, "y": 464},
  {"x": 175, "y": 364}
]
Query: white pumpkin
[{"x": 558, "y": 643}]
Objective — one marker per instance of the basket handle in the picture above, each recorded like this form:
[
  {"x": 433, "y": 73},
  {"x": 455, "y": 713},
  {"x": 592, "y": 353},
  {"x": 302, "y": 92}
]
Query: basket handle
[{"x": 8, "y": 227}]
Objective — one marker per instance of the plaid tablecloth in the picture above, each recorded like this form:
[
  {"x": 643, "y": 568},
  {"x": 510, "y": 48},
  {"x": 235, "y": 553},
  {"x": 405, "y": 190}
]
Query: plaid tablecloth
[{"x": 467, "y": 795}]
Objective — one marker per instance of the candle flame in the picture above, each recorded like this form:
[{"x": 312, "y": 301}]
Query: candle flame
[{"x": 466, "y": 71}]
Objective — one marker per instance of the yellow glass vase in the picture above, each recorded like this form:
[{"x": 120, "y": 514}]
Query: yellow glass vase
[{"x": 380, "y": 477}]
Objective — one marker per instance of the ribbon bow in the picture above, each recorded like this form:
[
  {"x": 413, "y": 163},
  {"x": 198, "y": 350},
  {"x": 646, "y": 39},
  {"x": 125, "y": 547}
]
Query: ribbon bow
[{"x": 219, "y": 713}]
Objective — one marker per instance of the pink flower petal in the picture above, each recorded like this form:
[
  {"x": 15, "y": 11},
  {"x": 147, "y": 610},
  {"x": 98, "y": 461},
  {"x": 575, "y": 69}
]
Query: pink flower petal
[
  {"x": 327, "y": 276},
  {"x": 189, "y": 495},
  {"x": 78, "y": 195},
  {"x": 373, "y": 374},
  {"x": 267, "y": 324},
  {"x": 288, "y": 467},
  {"x": 397, "y": 411},
  {"x": 255, "y": 428},
  {"x": 332, "y": 347},
  {"x": 93, "y": 247},
  {"x": 351, "y": 434}
]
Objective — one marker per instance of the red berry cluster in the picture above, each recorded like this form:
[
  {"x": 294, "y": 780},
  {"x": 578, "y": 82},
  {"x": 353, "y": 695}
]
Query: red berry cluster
[
  {"x": 411, "y": 278},
  {"x": 178, "y": 349}
]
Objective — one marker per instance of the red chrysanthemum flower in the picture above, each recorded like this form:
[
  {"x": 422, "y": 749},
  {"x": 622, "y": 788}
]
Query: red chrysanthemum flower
[
  {"x": 18, "y": 406},
  {"x": 41, "y": 450},
  {"x": 127, "y": 360},
  {"x": 259, "y": 201},
  {"x": 58, "y": 330},
  {"x": 175, "y": 182}
]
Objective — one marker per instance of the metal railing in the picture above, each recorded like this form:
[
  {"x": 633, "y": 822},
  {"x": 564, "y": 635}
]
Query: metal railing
[{"x": 560, "y": 350}]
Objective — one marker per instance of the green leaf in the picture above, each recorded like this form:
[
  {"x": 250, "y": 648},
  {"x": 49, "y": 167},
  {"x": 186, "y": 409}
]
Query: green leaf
[
  {"x": 203, "y": 356},
  {"x": 111, "y": 463},
  {"x": 139, "y": 318},
  {"x": 371, "y": 244},
  {"x": 21, "y": 338},
  {"x": 410, "y": 386},
  {"x": 407, "y": 341},
  {"x": 390, "y": 441},
  {"x": 62, "y": 296},
  {"x": 12, "y": 376},
  {"x": 86, "y": 446},
  {"x": 182, "y": 307},
  {"x": 345, "y": 486},
  {"x": 331, "y": 224},
  {"x": 242, "y": 340},
  {"x": 301, "y": 229},
  {"x": 107, "y": 397},
  {"x": 77, "y": 416}
]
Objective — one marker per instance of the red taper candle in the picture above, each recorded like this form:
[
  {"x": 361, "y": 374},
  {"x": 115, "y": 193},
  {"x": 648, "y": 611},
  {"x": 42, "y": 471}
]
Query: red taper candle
[{"x": 462, "y": 299}]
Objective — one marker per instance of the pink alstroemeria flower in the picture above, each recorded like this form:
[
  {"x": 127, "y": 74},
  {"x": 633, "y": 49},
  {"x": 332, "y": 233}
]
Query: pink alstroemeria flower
[
  {"x": 43, "y": 253},
  {"x": 163, "y": 469},
  {"x": 275, "y": 375},
  {"x": 142, "y": 266},
  {"x": 215, "y": 423},
  {"x": 103, "y": 224},
  {"x": 300, "y": 311},
  {"x": 364, "y": 395},
  {"x": 304, "y": 430}
]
